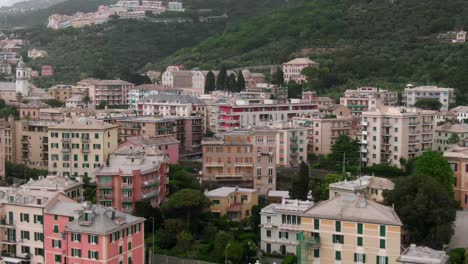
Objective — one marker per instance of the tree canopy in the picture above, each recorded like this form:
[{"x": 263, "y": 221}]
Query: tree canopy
[
  {"x": 344, "y": 144},
  {"x": 428, "y": 104},
  {"x": 186, "y": 203},
  {"x": 300, "y": 186},
  {"x": 434, "y": 165},
  {"x": 425, "y": 208},
  {"x": 210, "y": 82}
]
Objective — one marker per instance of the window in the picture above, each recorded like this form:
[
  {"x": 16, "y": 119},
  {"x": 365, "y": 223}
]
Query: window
[
  {"x": 24, "y": 234},
  {"x": 316, "y": 253},
  {"x": 93, "y": 239},
  {"x": 259, "y": 171},
  {"x": 268, "y": 233},
  {"x": 55, "y": 217},
  {"x": 284, "y": 235},
  {"x": 24, "y": 217},
  {"x": 382, "y": 260},
  {"x": 129, "y": 246},
  {"x": 316, "y": 224},
  {"x": 38, "y": 219},
  {"x": 56, "y": 229},
  {"x": 268, "y": 219},
  {"x": 58, "y": 258},
  {"x": 338, "y": 239},
  {"x": 75, "y": 252},
  {"x": 360, "y": 241},
  {"x": 120, "y": 249},
  {"x": 337, "y": 255},
  {"x": 359, "y": 258},
  {"x": 382, "y": 243},
  {"x": 382, "y": 230},
  {"x": 56, "y": 243},
  {"x": 38, "y": 236},
  {"x": 39, "y": 252},
  {"x": 93, "y": 254},
  {"x": 216, "y": 202},
  {"x": 359, "y": 228},
  {"x": 76, "y": 237},
  {"x": 96, "y": 135},
  {"x": 338, "y": 226}
]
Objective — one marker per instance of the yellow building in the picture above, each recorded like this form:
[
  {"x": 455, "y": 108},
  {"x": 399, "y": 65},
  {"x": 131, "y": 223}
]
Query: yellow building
[
  {"x": 349, "y": 229},
  {"x": 78, "y": 146},
  {"x": 234, "y": 202}
]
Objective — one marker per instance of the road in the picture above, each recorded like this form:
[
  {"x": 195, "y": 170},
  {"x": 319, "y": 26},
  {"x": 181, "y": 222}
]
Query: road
[{"x": 460, "y": 238}]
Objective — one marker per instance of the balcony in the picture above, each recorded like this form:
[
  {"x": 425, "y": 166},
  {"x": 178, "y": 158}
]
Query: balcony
[
  {"x": 309, "y": 240},
  {"x": 229, "y": 175},
  {"x": 414, "y": 132},
  {"x": 127, "y": 186},
  {"x": 386, "y": 124},
  {"x": 66, "y": 150},
  {"x": 151, "y": 194},
  {"x": 413, "y": 123},
  {"x": 5, "y": 223},
  {"x": 85, "y": 140},
  {"x": 428, "y": 131},
  {"x": 65, "y": 139},
  {"x": 214, "y": 164},
  {"x": 243, "y": 165},
  {"x": 363, "y": 150},
  {"x": 364, "y": 159},
  {"x": 364, "y": 142},
  {"x": 364, "y": 132},
  {"x": 413, "y": 142},
  {"x": 127, "y": 198},
  {"x": 85, "y": 150},
  {"x": 364, "y": 123},
  {"x": 105, "y": 197}
]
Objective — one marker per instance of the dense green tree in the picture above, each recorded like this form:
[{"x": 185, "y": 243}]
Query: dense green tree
[
  {"x": 222, "y": 239},
  {"x": 240, "y": 82},
  {"x": 210, "y": 82},
  {"x": 294, "y": 90},
  {"x": 180, "y": 178},
  {"x": 433, "y": 164},
  {"x": 425, "y": 208},
  {"x": 321, "y": 187},
  {"x": 454, "y": 139},
  {"x": 222, "y": 78},
  {"x": 2, "y": 104},
  {"x": 232, "y": 83},
  {"x": 344, "y": 149},
  {"x": 167, "y": 235},
  {"x": 187, "y": 204},
  {"x": 184, "y": 241},
  {"x": 278, "y": 77},
  {"x": 428, "y": 104},
  {"x": 102, "y": 105},
  {"x": 311, "y": 73},
  {"x": 457, "y": 256},
  {"x": 300, "y": 186},
  {"x": 144, "y": 209},
  {"x": 54, "y": 103}
]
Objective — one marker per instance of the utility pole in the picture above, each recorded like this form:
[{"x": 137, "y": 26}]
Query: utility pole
[
  {"x": 152, "y": 248},
  {"x": 344, "y": 163},
  {"x": 225, "y": 253}
]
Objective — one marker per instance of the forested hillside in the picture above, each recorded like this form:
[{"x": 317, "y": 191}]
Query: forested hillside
[
  {"x": 362, "y": 42},
  {"x": 40, "y": 17}
]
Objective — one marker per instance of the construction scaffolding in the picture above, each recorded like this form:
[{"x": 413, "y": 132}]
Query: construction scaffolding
[{"x": 308, "y": 246}]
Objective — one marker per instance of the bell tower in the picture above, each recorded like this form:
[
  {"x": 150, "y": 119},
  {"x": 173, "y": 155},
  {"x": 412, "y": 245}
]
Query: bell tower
[{"x": 22, "y": 78}]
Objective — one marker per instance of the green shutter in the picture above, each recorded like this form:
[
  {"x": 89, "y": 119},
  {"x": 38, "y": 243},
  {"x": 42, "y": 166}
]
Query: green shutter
[
  {"x": 377, "y": 259},
  {"x": 360, "y": 241},
  {"x": 382, "y": 230},
  {"x": 97, "y": 240},
  {"x": 382, "y": 243},
  {"x": 89, "y": 239},
  {"x": 79, "y": 237},
  {"x": 364, "y": 258},
  {"x": 338, "y": 226},
  {"x": 97, "y": 255},
  {"x": 386, "y": 260},
  {"x": 21, "y": 217},
  {"x": 316, "y": 224},
  {"x": 359, "y": 228},
  {"x": 355, "y": 257},
  {"x": 55, "y": 228},
  {"x": 316, "y": 253}
]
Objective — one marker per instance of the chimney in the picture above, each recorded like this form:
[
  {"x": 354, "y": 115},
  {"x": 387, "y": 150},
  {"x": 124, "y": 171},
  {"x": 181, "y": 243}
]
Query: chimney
[{"x": 113, "y": 215}]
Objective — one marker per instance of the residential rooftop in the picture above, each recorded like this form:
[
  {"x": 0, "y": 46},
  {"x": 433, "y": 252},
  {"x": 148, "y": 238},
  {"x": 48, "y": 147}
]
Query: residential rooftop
[
  {"x": 452, "y": 128},
  {"x": 83, "y": 123},
  {"x": 155, "y": 141},
  {"x": 423, "y": 255},
  {"x": 51, "y": 183},
  {"x": 172, "y": 98},
  {"x": 363, "y": 183},
  {"x": 301, "y": 61},
  {"x": 288, "y": 205},
  {"x": 104, "y": 82},
  {"x": 26, "y": 197},
  {"x": 226, "y": 191}
]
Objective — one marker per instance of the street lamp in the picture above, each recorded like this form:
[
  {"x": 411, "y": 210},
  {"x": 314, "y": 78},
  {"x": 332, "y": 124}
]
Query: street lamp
[{"x": 225, "y": 253}]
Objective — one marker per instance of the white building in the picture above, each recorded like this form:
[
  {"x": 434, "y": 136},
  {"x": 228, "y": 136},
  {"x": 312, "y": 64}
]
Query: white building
[
  {"x": 292, "y": 69},
  {"x": 370, "y": 186},
  {"x": 56, "y": 183},
  {"x": 138, "y": 94},
  {"x": 173, "y": 105},
  {"x": 446, "y": 96},
  {"x": 281, "y": 224},
  {"x": 461, "y": 112},
  {"x": 175, "y": 6}
]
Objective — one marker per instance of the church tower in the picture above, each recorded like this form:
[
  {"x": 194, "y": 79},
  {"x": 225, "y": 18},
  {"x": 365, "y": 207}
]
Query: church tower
[{"x": 22, "y": 78}]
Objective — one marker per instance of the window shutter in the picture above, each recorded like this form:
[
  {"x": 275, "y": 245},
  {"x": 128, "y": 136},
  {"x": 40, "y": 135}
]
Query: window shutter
[
  {"x": 364, "y": 258},
  {"x": 97, "y": 240},
  {"x": 79, "y": 237},
  {"x": 21, "y": 217},
  {"x": 377, "y": 259},
  {"x": 97, "y": 255},
  {"x": 386, "y": 260},
  {"x": 355, "y": 257},
  {"x": 89, "y": 239}
]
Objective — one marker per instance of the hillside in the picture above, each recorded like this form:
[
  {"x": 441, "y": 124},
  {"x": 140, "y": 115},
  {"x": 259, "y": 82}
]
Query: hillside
[
  {"x": 362, "y": 42},
  {"x": 67, "y": 7},
  {"x": 19, "y": 5}
]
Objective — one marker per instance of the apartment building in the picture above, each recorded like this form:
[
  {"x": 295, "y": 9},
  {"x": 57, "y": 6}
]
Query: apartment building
[
  {"x": 234, "y": 202},
  {"x": 2, "y": 148},
  {"x": 113, "y": 92},
  {"x": 291, "y": 146},
  {"x": 449, "y": 134},
  {"x": 56, "y": 183},
  {"x": 323, "y": 131},
  {"x": 367, "y": 98},
  {"x": 78, "y": 146},
  {"x": 173, "y": 105},
  {"x": 26, "y": 142},
  {"x": 246, "y": 113},
  {"x": 457, "y": 156},
  {"x": 280, "y": 226},
  {"x": 461, "y": 112},
  {"x": 391, "y": 133},
  {"x": 177, "y": 79},
  {"x": 370, "y": 186},
  {"x": 133, "y": 174},
  {"x": 47, "y": 70},
  {"x": 349, "y": 229},
  {"x": 31, "y": 110},
  {"x": 292, "y": 69},
  {"x": 89, "y": 234},
  {"x": 446, "y": 96},
  {"x": 167, "y": 144},
  {"x": 140, "y": 92},
  {"x": 187, "y": 130},
  {"x": 22, "y": 223},
  {"x": 60, "y": 92},
  {"x": 244, "y": 158}
]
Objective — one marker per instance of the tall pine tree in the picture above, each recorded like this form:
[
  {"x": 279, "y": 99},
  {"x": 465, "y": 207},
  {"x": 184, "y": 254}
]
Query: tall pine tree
[
  {"x": 300, "y": 186},
  {"x": 278, "y": 77},
  {"x": 222, "y": 79},
  {"x": 240, "y": 82},
  {"x": 232, "y": 83},
  {"x": 210, "y": 82}
]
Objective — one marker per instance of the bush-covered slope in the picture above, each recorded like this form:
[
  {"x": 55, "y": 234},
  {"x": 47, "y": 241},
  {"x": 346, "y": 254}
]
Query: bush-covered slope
[{"x": 373, "y": 42}]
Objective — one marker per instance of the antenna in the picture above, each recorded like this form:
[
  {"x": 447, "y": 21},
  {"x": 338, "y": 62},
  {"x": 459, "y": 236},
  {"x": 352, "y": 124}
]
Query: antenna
[{"x": 344, "y": 164}]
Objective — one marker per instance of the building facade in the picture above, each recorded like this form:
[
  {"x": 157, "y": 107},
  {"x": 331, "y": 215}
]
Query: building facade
[
  {"x": 291, "y": 146},
  {"x": 370, "y": 186},
  {"x": 446, "y": 96},
  {"x": 89, "y": 234},
  {"x": 173, "y": 105},
  {"x": 241, "y": 158},
  {"x": 132, "y": 174},
  {"x": 392, "y": 133},
  {"x": 177, "y": 79},
  {"x": 78, "y": 146},
  {"x": 56, "y": 183},
  {"x": 449, "y": 134},
  {"x": 112, "y": 92},
  {"x": 292, "y": 69},
  {"x": 236, "y": 203},
  {"x": 167, "y": 144},
  {"x": 61, "y": 92},
  {"x": 457, "y": 156}
]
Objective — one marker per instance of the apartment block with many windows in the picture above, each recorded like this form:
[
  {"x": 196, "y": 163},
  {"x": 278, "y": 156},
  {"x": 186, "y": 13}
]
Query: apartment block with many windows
[
  {"x": 446, "y": 96},
  {"x": 89, "y": 234},
  {"x": 78, "y": 146},
  {"x": 367, "y": 98},
  {"x": 457, "y": 156},
  {"x": 392, "y": 133},
  {"x": 280, "y": 226},
  {"x": 349, "y": 229},
  {"x": 133, "y": 174},
  {"x": 112, "y": 92},
  {"x": 244, "y": 158},
  {"x": 291, "y": 146}
]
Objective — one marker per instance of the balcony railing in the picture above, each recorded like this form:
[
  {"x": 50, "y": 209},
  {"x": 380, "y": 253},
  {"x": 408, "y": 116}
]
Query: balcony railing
[
  {"x": 229, "y": 175},
  {"x": 214, "y": 164}
]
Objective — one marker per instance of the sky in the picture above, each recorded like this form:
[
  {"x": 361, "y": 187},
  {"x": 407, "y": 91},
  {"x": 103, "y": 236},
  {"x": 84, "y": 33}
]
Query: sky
[{"x": 8, "y": 2}]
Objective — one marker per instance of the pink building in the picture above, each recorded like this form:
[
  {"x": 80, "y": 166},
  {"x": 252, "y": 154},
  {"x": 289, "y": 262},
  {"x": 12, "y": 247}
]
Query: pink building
[
  {"x": 92, "y": 234},
  {"x": 167, "y": 144},
  {"x": 47, "y": 70},
  {"x": 31, "y": 110},
  {"x": 113, "y": 92},
  {"x": 292, "y": 69},
  {"x": 133, "y": 174}
]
